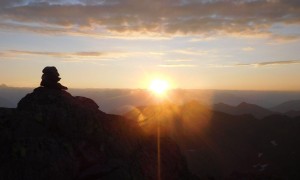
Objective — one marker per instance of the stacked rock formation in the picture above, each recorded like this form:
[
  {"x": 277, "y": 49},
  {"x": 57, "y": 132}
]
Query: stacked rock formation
[{"x": 50, "y": 78}]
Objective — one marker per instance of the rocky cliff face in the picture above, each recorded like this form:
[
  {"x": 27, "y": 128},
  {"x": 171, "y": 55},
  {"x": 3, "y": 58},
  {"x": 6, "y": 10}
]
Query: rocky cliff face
[{"x": 53, "y": 135}]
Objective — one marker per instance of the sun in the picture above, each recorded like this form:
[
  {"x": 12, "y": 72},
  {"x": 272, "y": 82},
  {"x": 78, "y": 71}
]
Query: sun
[{"x": 159, "y": 86}]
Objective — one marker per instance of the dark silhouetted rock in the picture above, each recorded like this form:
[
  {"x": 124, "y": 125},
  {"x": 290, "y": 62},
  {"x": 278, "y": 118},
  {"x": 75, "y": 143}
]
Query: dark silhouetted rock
[
  {"x": 53, "y": 135},
  {"x": 50, "y": 78}
]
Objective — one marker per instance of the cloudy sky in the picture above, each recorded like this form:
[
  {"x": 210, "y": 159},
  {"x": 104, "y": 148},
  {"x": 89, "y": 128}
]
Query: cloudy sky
[{"x": 206, "y": 44}]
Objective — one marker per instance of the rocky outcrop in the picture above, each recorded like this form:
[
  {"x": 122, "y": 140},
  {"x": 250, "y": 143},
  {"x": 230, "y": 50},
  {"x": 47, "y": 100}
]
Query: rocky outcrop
[{"x": 53, "y": 135}]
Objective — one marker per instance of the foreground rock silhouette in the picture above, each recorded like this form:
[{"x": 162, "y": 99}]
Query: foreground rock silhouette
[{"x": 54, "y": 135}]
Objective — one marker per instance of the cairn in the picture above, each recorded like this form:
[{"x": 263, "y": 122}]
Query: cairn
[{"x": 50, "y": 79}]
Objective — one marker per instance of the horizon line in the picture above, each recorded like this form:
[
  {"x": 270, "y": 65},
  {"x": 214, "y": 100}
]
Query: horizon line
[{"x": 146, "y": 89}]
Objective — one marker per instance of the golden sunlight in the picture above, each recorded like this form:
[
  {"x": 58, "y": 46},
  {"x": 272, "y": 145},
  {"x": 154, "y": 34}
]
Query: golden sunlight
[{"x": 159, "y": 86}]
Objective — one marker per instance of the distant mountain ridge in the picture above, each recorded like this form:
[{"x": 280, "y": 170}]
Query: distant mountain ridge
[
  {"x": 243, "y": 108},
  {"x": 218, "y": 145},
  {"x": 117, "y": 101},
  {"x": 3, "y": 85},
  {"x": 287, "y": 106}
]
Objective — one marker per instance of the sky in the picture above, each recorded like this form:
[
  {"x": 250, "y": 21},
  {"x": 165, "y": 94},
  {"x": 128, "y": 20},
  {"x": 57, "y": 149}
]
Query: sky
[{"x": 194, "y": 44}]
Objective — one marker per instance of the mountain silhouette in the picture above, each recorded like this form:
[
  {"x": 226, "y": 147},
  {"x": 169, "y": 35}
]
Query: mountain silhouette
[
  {"x": 218, "y": 145},
  {"x": 3, "y": 85},
  {"x": 287, "y": 106},
  {"x": 54, "y": 135},
  {"x": 292, "y": 113},
  {"x": 243, "y": 108}
]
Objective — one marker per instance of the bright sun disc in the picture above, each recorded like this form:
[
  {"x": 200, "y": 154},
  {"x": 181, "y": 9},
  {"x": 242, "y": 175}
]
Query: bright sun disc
[{"x": 159, "y": 86}]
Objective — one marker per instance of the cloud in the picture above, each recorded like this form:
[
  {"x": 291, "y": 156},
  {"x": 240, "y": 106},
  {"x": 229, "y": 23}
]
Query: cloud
[
  {"x": 271, "y": 63},
  {"x": 77, "y": 56},
  {"x": 190, "y": 51},
  {"x": 259, "y": 64},
  {"x": 248, "y": 49},
  {"x": 284, "y": 39},
  {"x": 149, "y": 17},
  {"x": 179, "y": 60},
  {"x": 66, "y": 56},
  {"x": 177, "y": 65},
  {"x": 54, "y": 30}
]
